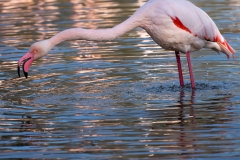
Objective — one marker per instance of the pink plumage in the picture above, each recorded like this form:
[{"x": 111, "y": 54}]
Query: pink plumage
[{"x": 181, "y": 26}]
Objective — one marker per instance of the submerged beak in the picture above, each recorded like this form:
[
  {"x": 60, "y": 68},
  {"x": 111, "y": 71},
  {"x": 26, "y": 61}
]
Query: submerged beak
[{"x": 27, "y": 60}]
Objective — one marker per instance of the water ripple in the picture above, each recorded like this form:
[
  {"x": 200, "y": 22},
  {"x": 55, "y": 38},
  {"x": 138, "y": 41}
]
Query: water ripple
[{"x": 118, "y": 99}]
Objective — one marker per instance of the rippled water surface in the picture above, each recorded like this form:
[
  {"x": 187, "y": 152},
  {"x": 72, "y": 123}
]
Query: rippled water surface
[{"x": 118, "y": 99}]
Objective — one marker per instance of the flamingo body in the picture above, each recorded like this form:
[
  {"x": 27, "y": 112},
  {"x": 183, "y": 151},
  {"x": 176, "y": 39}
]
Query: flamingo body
[
  {"x": 176, "y": 25},
  {"x": 179, "y": 25}
]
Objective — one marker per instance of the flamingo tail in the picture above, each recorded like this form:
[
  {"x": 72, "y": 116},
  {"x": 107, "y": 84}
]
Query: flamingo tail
[{"x": 227, "y": 49}]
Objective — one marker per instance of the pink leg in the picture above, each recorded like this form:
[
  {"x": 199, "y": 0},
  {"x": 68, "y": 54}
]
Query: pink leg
[
  {"x": 179, "y": 69},
  {"x": 190, "y": 70}
]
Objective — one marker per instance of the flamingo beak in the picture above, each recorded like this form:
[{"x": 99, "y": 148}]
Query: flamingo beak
[{"x": 27, "y": 60}]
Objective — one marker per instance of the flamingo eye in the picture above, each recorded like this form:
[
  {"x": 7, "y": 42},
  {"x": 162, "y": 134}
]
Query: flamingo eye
[{"x": 34, "y": 51}]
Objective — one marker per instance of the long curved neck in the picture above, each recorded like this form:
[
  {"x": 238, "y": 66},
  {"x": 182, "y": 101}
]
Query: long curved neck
[{"x": 98, "y": 34}]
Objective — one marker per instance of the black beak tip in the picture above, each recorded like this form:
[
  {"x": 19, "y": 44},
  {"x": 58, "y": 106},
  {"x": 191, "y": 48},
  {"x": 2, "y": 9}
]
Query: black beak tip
[
  {"x": 25, "y": 74},
  {"x": 18, "y": 71}
]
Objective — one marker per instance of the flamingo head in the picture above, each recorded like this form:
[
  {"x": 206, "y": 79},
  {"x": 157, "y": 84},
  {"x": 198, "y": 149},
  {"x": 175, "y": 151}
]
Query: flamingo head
[{"x": 36, "y": 51}]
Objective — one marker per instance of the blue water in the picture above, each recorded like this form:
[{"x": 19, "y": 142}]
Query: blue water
[{"x": 118, "y": 99}]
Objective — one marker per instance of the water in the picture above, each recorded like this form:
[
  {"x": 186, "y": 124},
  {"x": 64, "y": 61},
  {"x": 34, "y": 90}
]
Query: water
[{"x": 114, "y": 100}]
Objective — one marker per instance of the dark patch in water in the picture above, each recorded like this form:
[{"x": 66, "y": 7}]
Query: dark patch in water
[{"x": 199, "y": 86}]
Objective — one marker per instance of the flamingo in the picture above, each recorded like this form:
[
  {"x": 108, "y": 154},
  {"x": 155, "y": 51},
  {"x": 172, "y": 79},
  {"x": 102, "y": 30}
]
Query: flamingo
[{"x": 176, "y": 25}]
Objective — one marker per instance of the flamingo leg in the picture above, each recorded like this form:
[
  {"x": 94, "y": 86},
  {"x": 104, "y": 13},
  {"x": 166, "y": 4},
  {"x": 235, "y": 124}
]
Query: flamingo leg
[
  {"x": 190, "y": 70},
  {"x": 179, "y": 69}
]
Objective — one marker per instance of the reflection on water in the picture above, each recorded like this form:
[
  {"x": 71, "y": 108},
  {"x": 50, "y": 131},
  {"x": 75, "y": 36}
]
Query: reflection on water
[{"x": 118, "y": 99}]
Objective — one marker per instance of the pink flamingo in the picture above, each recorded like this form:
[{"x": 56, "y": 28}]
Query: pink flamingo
[{"x": 176, "y": 25}]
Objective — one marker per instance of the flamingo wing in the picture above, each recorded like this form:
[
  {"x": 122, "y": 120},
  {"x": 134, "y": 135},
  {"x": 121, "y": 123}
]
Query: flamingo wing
[{"x": 194, "y": 20}]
